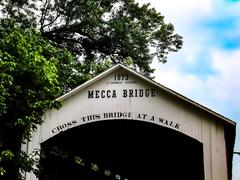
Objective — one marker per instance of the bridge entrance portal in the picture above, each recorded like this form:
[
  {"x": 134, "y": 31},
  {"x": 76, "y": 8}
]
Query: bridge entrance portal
[{"x": 122, "y": 149}]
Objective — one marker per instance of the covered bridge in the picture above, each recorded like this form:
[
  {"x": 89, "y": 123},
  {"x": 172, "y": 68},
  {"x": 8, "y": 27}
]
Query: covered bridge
[{"x": 121, "y": 125}]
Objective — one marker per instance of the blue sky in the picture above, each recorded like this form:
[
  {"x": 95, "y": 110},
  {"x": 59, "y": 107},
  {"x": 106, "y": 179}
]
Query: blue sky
[{"x": 206, "y": 69}]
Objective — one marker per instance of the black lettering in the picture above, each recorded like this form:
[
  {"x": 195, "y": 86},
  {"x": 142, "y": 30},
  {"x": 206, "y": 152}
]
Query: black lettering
[
  {"x": 54, "y": 130},
  {"x": 102, "y": 94},
  {"x": 141, "y": 116},
  {"x": 108, "y": 93},
  {"x": 90, "y": 94},
  {"x": 140, "y": 92},
  {"x": 126, "y": 114},
  {"x": 152, "y": 118},
  {"x": 166, "y": 122},
  {"x": 119, "y": 114},
  {"x": 111, "y": 115},
  {"x": 59, "y": 128},
  {"x": 136, "y": 93},
  {"x": 124, "y": 93},
  {"x": 74, "y": 122},
  {"x": 161, "y": 120},
  {"x": 97, "y": 116},
  {"x": 153, "y": 92},
  {"x": 89, "y": 118},
  {"x": 97, "y": 94},
  {"x": 105, "y": 115},
  {"x": 144, "y": 116},
  {"x": 130, "y": 93},
  {"x": 171, "y": 124},
  {"x": 64, "y": 126},
  {"x": 147, "y": 93},
  {"x": 83, "y": 119},
  {"x": 177, "y": 126},
  {"x": 69, "y": 124},
  {"x": 114, "y": 95}
]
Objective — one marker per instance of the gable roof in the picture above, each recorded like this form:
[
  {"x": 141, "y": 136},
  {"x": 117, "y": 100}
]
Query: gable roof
[{"x": 158, "y": 85}]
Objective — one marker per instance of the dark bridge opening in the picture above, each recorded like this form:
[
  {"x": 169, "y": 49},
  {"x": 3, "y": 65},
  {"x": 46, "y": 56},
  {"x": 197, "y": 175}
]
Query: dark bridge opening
[{"x": 122, "y": 149}]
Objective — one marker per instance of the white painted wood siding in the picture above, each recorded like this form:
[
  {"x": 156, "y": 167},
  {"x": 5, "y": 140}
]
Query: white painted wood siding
[{"x": 194, "y": 122}]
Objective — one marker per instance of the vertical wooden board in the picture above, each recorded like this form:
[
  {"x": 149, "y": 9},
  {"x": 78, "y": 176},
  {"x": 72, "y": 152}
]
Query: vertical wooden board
[
  {"x": 218, "y": 157},
  {"x": 191, "y": 121},
  {"x": 195, "y": 124},
  {"x": 206, "y": 140},
  {"x": 221, "y": 152},
  {"x": 177, "y": 111},
  {"x": 213, "y": 139}
]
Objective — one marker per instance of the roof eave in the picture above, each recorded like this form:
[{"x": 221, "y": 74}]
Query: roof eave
[{"x": 170, "y": 91}]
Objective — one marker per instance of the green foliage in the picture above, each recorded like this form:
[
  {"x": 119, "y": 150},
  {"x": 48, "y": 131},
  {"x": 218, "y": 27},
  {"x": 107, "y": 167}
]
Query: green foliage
[
  {"x": 5, "y": 156},
  {"x": 97, "y": 30},
  {"x": 29, "y": 84}
]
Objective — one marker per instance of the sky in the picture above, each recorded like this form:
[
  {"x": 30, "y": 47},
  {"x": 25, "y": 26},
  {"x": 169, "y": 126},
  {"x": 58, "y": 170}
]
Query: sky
[{"x": 207, "y": 68}]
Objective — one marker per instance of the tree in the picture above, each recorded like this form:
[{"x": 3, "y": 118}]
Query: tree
[
  {"x": 48, "y": 47},
  {"x": 95, "y": 30},
  {"x": 29, "y": 84},
  {"x": 33, "y": 73}
]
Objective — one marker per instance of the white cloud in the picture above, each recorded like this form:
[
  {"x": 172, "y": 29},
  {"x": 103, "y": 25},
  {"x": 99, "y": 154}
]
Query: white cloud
[
  {"x": 173, "y": 7},
  {"x": 219, "y": 91},
  {"x": 227, "y": 64},
  {"x": 173, "y": 78},
  {"x": 200, "y": 45},
  {"x": 181, "y": 13},
  {"x": 201, "y": 22}
]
